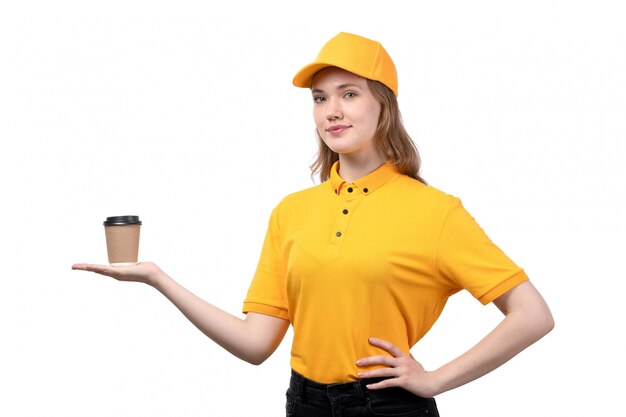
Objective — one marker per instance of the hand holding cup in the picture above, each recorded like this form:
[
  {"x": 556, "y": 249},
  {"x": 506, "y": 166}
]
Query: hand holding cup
[
  {"x": 146, "y": 272},
  {"x": 122, "y": 240}
]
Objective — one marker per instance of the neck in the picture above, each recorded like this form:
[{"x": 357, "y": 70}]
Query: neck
[{"x": 351, "y": 168}]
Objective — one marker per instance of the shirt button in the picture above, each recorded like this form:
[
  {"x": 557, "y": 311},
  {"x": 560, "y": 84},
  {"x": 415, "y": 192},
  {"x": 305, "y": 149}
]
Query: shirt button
[
  {"x": 365, "y": 190},
  {"x": 345, "y": 211},
  {"x": 350, "y": 190},
  {"x": 338, "y": 234}
]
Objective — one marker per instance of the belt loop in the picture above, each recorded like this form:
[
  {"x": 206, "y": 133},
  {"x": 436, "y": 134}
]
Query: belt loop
[
  {"x": 359, "y": 388},
  {"x": 301, "y": 387}
]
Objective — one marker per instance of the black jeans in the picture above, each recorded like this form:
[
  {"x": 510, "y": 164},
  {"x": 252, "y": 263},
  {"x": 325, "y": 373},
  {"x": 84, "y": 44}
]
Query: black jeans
[{"x": 306, "y": 398}]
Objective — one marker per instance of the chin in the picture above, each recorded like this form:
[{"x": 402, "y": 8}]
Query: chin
[{"x": 341, "y": 150}]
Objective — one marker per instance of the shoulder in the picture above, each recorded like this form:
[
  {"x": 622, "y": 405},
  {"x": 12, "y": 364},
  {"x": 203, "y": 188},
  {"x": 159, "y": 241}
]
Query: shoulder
[
  {"x": 301, "y": 199},
  {"x": 424, "y": 194},
  {"x": 304, "y": 195}
]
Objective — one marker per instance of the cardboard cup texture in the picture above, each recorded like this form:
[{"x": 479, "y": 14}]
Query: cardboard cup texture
[{"x": 122, "y": 243}]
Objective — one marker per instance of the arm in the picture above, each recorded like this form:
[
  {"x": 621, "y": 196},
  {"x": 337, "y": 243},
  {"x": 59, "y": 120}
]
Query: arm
[
  {"x": 527, "y": 319},
  {"x": 252, "y": 339}
]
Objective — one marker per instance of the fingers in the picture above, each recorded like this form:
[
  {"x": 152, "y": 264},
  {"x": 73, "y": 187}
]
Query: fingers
[
  {"x": 376, "y": 360},
  {"x": 388, "y": 372},
  {"x": 114, "y": 272},
  {"x": 398, "y": 369},
  {"x": 386, "y": 383},
  {"x": 388, "y": 346},
  {"x": 90, "y": 267},
  {"x": 390, "y": 364},
  {"x": 145, "y": 272},
  {"x": 384, "y": 360}
]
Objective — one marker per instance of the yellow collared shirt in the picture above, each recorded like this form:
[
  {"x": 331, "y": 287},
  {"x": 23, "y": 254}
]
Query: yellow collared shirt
[{"x": 376, "y": 257}]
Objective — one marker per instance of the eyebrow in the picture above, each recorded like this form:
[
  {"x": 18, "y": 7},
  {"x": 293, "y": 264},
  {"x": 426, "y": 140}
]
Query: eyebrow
[{"x": 340, "y": 87}]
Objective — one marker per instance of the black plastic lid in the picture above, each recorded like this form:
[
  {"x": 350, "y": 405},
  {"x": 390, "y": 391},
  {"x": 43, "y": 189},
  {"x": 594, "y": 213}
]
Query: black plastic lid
[{"x": 121, "y": 220}]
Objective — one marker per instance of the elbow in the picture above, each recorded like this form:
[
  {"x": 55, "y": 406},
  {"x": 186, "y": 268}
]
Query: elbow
[
  {"x": 256, "y": 359},
  {"x": 256, "y": 356},
  {"x": 543, "y": 324},
  {"x": 548, "y": 324},
  {"x": 542, "y": 318},
  {"x": 548, "y": 319}
]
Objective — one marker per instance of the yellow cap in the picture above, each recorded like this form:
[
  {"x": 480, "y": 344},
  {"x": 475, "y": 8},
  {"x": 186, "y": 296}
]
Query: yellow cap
[{"x": 353, "y": 53}]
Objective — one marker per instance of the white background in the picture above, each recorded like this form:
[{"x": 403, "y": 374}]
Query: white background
[{"x": 184, "y": 113}]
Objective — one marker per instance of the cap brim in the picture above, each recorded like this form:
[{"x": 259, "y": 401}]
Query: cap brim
[{"x": 304, "y": 77}]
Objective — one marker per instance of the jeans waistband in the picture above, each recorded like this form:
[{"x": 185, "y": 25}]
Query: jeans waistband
[{"x": 305, "y": 387}]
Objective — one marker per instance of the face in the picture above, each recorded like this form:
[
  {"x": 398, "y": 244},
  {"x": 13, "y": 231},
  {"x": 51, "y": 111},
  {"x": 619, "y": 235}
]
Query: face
[{"x": 346, "y": 113}]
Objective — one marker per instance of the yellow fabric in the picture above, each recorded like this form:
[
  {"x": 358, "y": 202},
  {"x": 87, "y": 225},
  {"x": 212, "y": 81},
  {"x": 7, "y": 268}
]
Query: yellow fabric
[{"x": 377, "y": 257}]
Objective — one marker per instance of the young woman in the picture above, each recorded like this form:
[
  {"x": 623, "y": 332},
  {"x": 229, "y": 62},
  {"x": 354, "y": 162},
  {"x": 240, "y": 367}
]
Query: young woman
[{"x": 362, "y": 264}]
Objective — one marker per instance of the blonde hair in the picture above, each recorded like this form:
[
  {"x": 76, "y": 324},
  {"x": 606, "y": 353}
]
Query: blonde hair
[{"x": 391, "y": 138}]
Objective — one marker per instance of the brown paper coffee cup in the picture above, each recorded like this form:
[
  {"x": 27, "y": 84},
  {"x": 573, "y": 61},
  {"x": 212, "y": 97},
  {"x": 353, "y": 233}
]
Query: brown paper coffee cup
[{"x": 122, "y": 237}]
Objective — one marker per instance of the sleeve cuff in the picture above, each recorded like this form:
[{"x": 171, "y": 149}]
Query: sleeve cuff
[
  {"x": 252, "y": 307},
  {"x": 503, "y": 287}
]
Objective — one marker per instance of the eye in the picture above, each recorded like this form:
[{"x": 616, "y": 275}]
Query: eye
[
  {"x": 350, "y": 94},
  {"x": 318, "y": 99}
]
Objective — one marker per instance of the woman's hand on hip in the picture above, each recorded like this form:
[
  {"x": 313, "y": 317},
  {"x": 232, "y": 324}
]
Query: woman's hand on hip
[{"x": 400, "y": 369}]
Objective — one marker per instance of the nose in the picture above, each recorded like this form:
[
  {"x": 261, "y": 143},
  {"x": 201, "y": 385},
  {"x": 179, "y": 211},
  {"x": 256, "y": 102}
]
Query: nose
[{"x": 333, "y": 110}]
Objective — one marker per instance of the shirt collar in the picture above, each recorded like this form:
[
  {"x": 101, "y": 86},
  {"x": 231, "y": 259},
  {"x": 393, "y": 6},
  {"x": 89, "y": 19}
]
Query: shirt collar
[{"x": 367, "y": 184}]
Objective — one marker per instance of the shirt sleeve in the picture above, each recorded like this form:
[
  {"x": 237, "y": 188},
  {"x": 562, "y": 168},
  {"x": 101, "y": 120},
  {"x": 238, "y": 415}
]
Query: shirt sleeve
[
  {"x": 468, "y": 259},
  {"x": 267, "y": 292}
]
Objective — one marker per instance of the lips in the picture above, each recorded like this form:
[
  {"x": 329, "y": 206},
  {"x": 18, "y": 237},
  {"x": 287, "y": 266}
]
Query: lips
[{"x": 337, "y": 129}]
